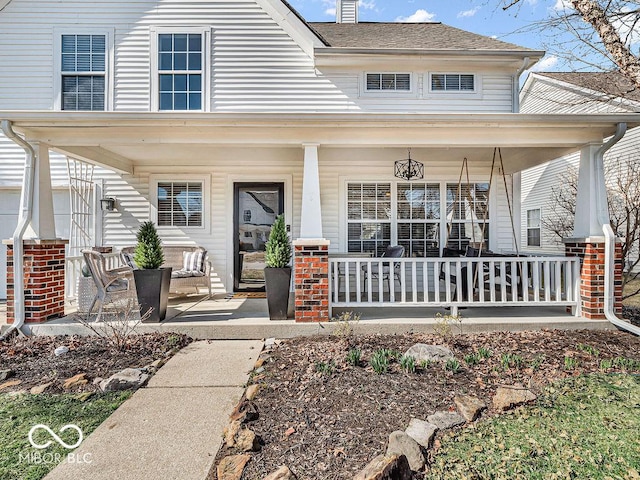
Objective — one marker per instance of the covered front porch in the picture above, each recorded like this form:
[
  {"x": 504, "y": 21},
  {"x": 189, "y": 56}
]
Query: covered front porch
[{"x": 321, "y": 160}]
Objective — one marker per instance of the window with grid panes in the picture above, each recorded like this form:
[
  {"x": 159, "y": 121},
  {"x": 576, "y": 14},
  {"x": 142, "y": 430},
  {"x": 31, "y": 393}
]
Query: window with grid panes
[
  {"x": 180, "y": 70},
  {"x": 180, "y": 204},
  {"x": 368, "y": 217},
  {"x": 388, "y": 82},
  {"x": 447, "y": 82},
  {"x": 83, "y": 68},
  {"x": 418, "y": 217},
  {"x": 467, "y": 215},
  {"x": 533, "y": 227}
]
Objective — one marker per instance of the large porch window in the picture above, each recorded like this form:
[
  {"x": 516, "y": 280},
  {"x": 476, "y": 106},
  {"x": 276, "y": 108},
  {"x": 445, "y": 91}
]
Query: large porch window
[{"x": 410, "y": 214}]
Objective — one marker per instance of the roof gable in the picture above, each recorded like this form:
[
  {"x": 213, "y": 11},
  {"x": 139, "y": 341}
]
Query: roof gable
[{"x": 612, "y": 84}]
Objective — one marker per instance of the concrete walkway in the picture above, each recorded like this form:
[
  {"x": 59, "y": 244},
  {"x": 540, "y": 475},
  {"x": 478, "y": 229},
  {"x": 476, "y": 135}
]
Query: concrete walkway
[{"x": 172, "y": 428}]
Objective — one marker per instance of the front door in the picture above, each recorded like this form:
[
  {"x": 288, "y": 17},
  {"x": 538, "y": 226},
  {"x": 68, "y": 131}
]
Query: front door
[{"x": 256, "y": 207}]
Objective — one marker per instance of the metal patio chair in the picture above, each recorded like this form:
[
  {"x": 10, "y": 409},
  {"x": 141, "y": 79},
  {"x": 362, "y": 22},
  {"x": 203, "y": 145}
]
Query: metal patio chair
[
  {"x": 111, "y": 285},
  {"x": 389, "y": 269}
]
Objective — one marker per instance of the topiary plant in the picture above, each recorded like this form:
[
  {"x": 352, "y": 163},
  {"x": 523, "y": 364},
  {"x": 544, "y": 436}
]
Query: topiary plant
[
  {"x": 148, "y": 253},
  {"x": 278, "y": 247}
]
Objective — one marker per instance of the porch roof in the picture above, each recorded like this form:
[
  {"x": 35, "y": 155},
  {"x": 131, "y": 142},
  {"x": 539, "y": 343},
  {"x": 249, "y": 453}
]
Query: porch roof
[{"x": 125, "y": 140}]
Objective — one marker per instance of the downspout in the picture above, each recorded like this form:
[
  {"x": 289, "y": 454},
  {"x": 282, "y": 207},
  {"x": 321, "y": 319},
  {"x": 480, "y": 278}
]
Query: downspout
[
  {"x": 516, "y": 85},
  {"x": 610, "y": 239},
  {"x": 26, "y": 204}
]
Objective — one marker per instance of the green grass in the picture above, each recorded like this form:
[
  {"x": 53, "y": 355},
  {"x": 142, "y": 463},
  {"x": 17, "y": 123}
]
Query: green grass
[
  {"x": 584, "y": 428},
  {"x": 19, "y": 414}
]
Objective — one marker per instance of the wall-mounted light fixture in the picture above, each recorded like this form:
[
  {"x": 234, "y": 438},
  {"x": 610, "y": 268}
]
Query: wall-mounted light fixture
[
  {"x": 408, "y": 169},
  {"x": 108, "y": 204}
]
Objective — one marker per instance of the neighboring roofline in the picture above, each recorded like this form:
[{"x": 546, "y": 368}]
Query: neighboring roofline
[
  {"x": 435, "y": 52},
  {"x": 297, "y": 14}
]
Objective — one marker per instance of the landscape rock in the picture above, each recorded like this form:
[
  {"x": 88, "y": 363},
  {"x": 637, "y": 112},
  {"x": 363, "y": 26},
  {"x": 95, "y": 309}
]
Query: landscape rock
[
  {"x": 421, "y": 431},
  {"x": 429, "y": 353},
  {"x": 61, "y": 351},
  {"x": 402, "y": 444},
  {"x": 269, "y": 343},
  {"x": 247, "y": 441},
  {"x": 127, "y": 379},
  {"x": 512, "y": 396},
  {"x": 230, "y": 432},
  {"x": 283, "y": 473},
  {"x": 75, "y": 381},
  {"x": 469, "y": 406},
  {"x": 40, "y": 388},
  {"x": 4, "y": 374},
  {"x": 9, "y": 384},
  {"x": 231, "y": 467},
  {"x": 252, "y": 391},
  {"x": 446, "y": 420},
  {"x": 394, "y": 467}
]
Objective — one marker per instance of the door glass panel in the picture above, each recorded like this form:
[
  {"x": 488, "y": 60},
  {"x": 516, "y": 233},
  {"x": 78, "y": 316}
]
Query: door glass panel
[{"x": 257, "y": 207}]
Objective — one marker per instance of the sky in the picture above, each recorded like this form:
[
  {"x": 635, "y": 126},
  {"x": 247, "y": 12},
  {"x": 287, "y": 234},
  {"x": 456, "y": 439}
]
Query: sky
[{"x": 484, "y": 17}]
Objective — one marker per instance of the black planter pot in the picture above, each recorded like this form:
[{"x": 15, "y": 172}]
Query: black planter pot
[
  {"x": 277, "y": 281},
  {"x": 152, "y": 287}
]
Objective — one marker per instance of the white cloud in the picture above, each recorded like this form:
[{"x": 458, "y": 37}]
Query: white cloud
[
  {"x": 562, "y": 6},
  {"x": 468, "y": 13},
  {"x": 330, "y": 6},
  {"x": 418, "y": 17},
  {"x": 546, "y": 64}
]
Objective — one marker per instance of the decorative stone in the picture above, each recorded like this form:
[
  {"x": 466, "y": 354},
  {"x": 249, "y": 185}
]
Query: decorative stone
[
  {"x": 231, "y": 467},
  {"x": 61, "y": 351},
  {"x": 394, "y": 467},
  {"x": 402, "y": 444},
  {"x": 230, "y": 432},
  {"x": 512, "y": 396},
  {"x": 421, "y": 431},
  {"x": 259, "y": 363},
  {"x": 252, "y": 391},
  {"x": 283, "y": 473},
  {"x": 469, "y": 406},
  {"x": 429, "y": 353},
  {"x": 269, "y": 342},
  {"x": 446, "y": 420},
  {"x": 75, "y": 381},
  {"x": 40, "y": 388},
  {"x": 9, "y": 384},
  {"x": 4, "y": 374},
  {"x": 247, "y": 440},
  {"x": 127, "y": 379}
]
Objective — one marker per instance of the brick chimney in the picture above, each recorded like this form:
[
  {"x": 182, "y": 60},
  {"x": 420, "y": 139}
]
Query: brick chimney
[{"x": 347, "y": 11}]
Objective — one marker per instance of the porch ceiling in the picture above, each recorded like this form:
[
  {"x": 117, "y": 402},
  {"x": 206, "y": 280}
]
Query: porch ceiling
[{"x": 123, "y": 141}]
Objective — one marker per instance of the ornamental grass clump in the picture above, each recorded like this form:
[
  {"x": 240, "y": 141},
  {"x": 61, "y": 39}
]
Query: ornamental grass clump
[
  {"x": 148, "y": 253},
  {"x": 278, "y": 247}
]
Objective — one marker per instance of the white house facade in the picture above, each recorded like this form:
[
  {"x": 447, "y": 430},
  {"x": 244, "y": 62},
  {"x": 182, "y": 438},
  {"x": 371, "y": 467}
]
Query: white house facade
[{"x": 210, "y": 118}]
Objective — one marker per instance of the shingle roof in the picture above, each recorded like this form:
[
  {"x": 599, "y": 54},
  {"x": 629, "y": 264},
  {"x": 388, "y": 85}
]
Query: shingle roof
[
  {"x": 407, "y": 36},
  {"x": 614, "y": 84}
]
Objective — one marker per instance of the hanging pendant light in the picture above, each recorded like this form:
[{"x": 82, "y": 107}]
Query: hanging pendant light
[{"x": 409, "y": 169}]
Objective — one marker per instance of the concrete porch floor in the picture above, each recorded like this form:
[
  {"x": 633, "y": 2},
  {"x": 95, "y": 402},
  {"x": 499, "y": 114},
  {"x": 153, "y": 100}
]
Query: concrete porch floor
[{"x": 221, "y": 317}]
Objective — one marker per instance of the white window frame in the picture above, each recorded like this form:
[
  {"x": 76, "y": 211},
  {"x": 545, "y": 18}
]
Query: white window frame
[
  {"x": 539, "y": 227},
  {"x": 205, "y": 31},
  {"x": 206, "y": 200},
  {"x": 108, "y": 64},
  {"x": 411, "y": 93},
  {"x": 475, "y": 93}
]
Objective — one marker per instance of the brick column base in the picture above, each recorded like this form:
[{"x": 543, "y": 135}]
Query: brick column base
[
  {"x": 591, "y": 254},
  {"x": 44, "y": 264},
  {"x": 311, "y": 280}
]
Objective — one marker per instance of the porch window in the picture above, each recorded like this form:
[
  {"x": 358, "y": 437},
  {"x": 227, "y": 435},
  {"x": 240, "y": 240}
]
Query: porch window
[
  {"x": 368, "y": 217},
  {"x": 418, "y": 217},
  {"x": 180, "y": 204},
  {"x": 180, "y": 71},
  {"x": 83, "y": 67},
  {"x": 452, "y": 82},
  {"x": 467, "y": 214},
  {"x": 533, "y": 227},
  {"x": 400, "y": 82}
]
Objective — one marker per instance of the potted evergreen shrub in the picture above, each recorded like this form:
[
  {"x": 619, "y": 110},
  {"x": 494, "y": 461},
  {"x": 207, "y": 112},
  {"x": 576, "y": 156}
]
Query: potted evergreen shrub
[
  {"x": 152, "y": 282},
  {"x": 277, "y": 274}
]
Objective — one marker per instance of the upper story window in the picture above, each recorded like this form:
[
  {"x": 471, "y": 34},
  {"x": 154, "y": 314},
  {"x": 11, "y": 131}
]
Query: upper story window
[
  {"x": 389, "y": 82},
  {"x": 452, "y": 82},
  {"x": 83, "y": 68},
  {"x": 180, "y": 71}
]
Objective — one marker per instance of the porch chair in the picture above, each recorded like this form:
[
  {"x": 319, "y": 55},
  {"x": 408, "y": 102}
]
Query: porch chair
[
  {"x": 110, "y": 284},
  {"x": 389, "y": 269}
]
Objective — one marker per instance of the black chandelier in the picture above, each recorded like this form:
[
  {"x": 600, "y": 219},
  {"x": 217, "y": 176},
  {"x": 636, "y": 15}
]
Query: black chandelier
[{"x": 409, "y": 169}]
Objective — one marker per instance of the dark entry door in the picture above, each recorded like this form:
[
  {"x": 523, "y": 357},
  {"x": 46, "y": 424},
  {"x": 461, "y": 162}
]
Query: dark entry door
[{"x": 256, "y": 207}]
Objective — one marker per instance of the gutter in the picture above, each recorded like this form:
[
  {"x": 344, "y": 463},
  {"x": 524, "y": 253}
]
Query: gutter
[
  {"x": 425, "y": 51},
  {"x": 516, "y": 85},
  {"x": 26, "y": 210},
  {"x": 610, "y": 240}
]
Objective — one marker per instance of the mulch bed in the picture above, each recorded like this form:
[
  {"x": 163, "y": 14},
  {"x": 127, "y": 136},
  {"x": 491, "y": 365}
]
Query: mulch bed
[
  {"x": 341, "y": 420},
  {"x": 34, "y": 362}
]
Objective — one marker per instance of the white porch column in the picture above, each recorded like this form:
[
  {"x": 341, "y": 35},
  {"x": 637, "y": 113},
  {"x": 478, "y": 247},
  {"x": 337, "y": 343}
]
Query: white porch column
[
  {"x": 311, "y": 215},
  {"x": 591, "y": 201},
  {"x": 42, "y": 225}
]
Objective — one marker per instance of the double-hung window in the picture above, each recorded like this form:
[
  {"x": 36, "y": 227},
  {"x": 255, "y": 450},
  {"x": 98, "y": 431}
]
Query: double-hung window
[
  {"x": 368, "y": 217},
  {"x": 467, "y": 214},
  {"x": 181, "y": 70},
  {"x": 533, "y": 227},
  {"x": 418, "y": 218},
  {"x": 83, "y": 67}
]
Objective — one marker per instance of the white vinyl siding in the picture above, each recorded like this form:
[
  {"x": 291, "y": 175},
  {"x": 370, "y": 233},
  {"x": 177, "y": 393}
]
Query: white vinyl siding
[{"x": 388, "y": 82}]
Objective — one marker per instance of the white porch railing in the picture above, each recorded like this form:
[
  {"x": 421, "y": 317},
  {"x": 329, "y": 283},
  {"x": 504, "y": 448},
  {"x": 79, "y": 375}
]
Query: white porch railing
[
  {"x": 454, "y": 282},
  {"x": 73, "y": 271}
]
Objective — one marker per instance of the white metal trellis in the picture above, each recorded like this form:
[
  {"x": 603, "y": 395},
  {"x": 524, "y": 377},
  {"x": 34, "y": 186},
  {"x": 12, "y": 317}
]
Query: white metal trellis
[{"x": 82, "y": 197}]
